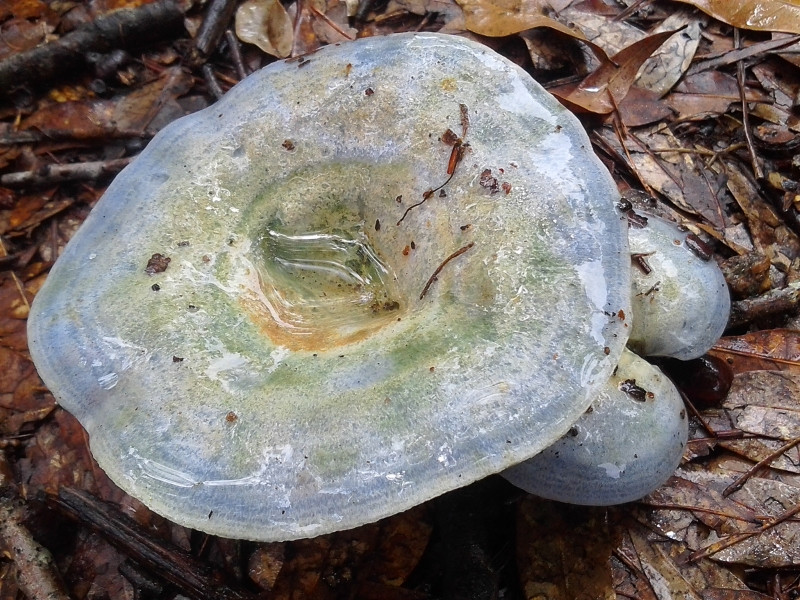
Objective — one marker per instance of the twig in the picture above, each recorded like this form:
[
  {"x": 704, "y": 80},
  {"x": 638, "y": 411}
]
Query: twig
[
  {"x": 759, "y": 49},
  {"x": 30, "y": 136},
  {"x": 428, "y": 193},
  {"x": 696, "y": 413},
  {"x": 748, "y": 134},
  {"x": 438, "y": 270},
  {"x": 330, "y": 23},
  {"x": 120, "y": 29},
  {"x": 215, "y": 23},
  {"x": 236, "y": 53},
  {"x": 698, "y": 509},
  {"x": 628, "y": 11},
  {"x": 622, "y": 132},
  {"x": 760, "y": 465},
  {"x": 37, "y": 574},
  {"x": 459, "y": 148},
  {"x": 735, "y": 538},
  {"x": 211, "y": 82},
  {"x": 17, "y": 282},
  {"x": 169, "y": 562},
  {"x": 425, "y": 197},
  {"x": 52, "y": 174},
  {"x": 773, "y": 302}
]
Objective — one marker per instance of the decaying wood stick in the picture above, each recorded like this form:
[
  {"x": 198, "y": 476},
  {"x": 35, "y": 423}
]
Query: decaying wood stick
[
  {"x": 773, "y": 302},
  {"x": 121, "y": 29},
  {"x": 216, "y": 21},
  {"x": 53, "y": 174},
  {"x": 178, "y": 567},
  {"x": 37, "y": 575}
]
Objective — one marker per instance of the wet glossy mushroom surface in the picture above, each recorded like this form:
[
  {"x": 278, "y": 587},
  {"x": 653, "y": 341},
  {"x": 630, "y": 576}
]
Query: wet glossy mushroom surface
[
  {"x": 680, "y": 298},
  {"x": 266, "y": 339},
  {"x": 624, "y": 446}
]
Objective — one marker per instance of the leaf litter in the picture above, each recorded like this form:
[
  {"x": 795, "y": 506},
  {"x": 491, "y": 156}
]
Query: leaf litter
[{"x": 671, "y": 113}]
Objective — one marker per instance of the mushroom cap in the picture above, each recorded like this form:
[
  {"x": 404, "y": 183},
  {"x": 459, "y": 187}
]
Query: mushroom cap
[
  {"x": 628, "y": 444},
  {"x": 287, "y": 373},
  {"x": 681, "y": 305}
]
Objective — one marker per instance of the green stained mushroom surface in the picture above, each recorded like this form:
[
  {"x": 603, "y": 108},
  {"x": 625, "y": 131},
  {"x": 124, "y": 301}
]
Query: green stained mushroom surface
[{"x": 318, "y": 352}]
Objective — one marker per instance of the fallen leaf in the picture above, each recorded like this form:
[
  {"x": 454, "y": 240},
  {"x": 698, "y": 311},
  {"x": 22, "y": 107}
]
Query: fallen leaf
[
  {"x": 668, "y": 64},
  {"x": 145, "y": 109},
  {"x": 493, "y": 20},
  {"x": 773, "y": 546},
  {"x": 765, "y": 405},
  {"x": 550, "y": 537},
  {"x": 602, "y": 90},
  {"x": 747, "y": 274},
  {"x": 711, "y": 526},
  {"x": 266, "y": 24},
  {"x": 780, "y": 80},
  {"x": 642, "y": 107},
  {"x": 661, "y": 571},
  {"x": 729, "y": 594},
  {"x": 761, "y": 15},
  {"x": 708, "y": 93},
  {"x": 773, "y": 349},
  {"x": 305, "y": 14},
  {"x": 682, "y": 176},
  {"x": 610, "y": 34},
  {"x": 771, "y": 236},
  {"x": 708, "y": 506},
  {"x": 18, "y": 35},
  {"x": 25, "y": 9},
  {"x": 331, "y": 23}
]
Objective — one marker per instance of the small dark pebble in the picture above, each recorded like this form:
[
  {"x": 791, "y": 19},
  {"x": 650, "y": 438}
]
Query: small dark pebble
[{"x": 705, "y": 380}]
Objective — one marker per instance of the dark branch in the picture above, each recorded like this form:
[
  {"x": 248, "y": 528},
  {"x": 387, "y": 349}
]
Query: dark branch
[{"x": 120, "y": 29}]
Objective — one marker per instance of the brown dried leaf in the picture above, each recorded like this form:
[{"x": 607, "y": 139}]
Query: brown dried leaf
[
  {"x": 402, "y": 542},
  {"x": 133, "y": 114},
  {"x": 708, "y": 506},
  {"x": 265, "y": 564},
  {"x": 667, "y": 64},
  {"x": 774, "y": 546},
  {"x": 726, "y": 537},
  {"x": 747, "y": 275},
  {"x": 332, "y": 23},
  {"x": 780, "y": 81},
  {"x": 266, "y": 24},
  {"x": 306, "y": 26},
  {"x": 18, "y": 35},
  {"x": 605, "y": 88},
  {"x": 26, "y": 9},
  {"x": 770, "y": 235},
  {"x": 762, "y": 449},
  {"x": 18, "y": 382},
  {"x": 563, "y": 552},
  {"x": 680, "y": 176},
  {"x": 642, "y": 107},
  {"x": 601, "y": 27},
  {"x": 94, "y": 569},
  {"x": 729, "y": 594},
  {"x": 766, "y": 404},
  {"x": 31, "y": 210},
  {"x": 708, "y": 92},
  {"x": 339, "y": 564},
  {"x": 761, "y": 15},
  {"x": 659, "y": 567},
  {"x": 494, "y": 20},
  {"x": 769, "y": 350}
]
